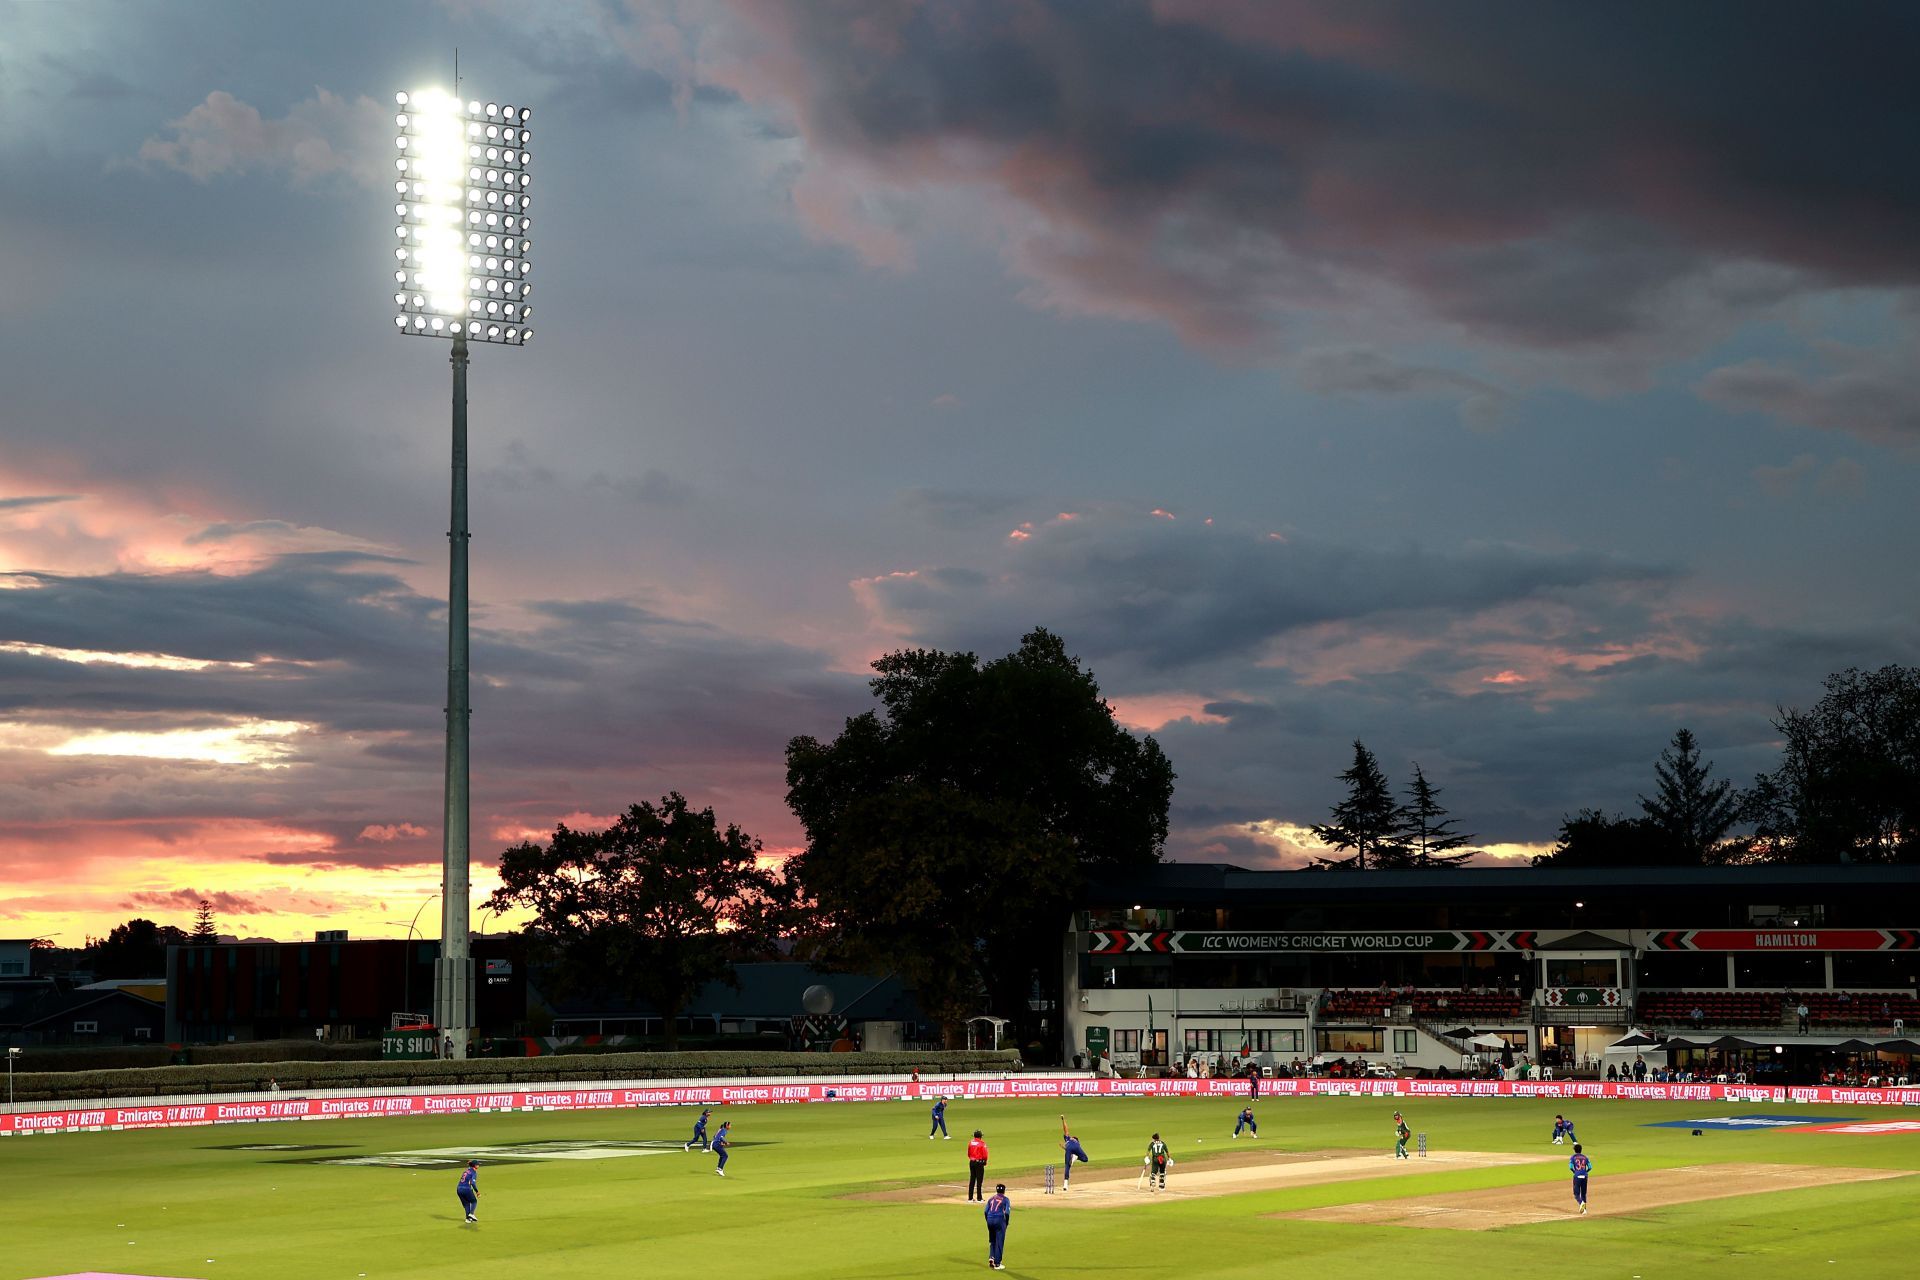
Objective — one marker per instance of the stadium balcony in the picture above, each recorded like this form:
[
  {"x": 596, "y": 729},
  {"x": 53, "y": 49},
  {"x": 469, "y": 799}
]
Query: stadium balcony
[{"x": 1430, "y": 1004}]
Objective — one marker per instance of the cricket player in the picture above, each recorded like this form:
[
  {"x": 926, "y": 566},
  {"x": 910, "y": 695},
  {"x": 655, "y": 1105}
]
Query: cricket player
[
  {"x": 1245, "y": 1121},
  {"x": 1400, "y": 1135},
  {"x": 699, "y": 1138},
  {"x": 1072, "y": 1149},
  {"x": 977, "y": 1167},
  {"x": 1563, "y": 1131},
  {"x": 999, "y": 1213},
  {"x": 939, "y": 1119},
  {"x": 469, "y": 1190},
  {"x": 721, "y": 1141},
  {"x": 1158, "y": 1158},
  {"x": 1580, "y": 1166}
]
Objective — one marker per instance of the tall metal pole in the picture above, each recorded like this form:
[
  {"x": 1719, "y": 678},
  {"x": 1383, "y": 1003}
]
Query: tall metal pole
[{"x": 453, "y": 971}]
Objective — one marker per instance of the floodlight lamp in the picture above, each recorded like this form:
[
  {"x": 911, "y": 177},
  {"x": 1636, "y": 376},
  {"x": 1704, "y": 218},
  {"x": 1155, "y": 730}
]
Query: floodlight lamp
[{"x": 400, "y": 99}]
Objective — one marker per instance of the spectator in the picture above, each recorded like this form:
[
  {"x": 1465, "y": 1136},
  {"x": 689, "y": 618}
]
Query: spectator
[
  {"x": 273, "y": 1086},
  {"x": 1613, "y": 1072},
  {"x": 1699, "y": 1016},
  {"x": 1801, "y": 1013},
  {"x": 1441, "y": 1004}
]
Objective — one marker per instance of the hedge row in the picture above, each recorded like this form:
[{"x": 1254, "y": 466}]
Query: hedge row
[{"x": 297, "y": 1077}]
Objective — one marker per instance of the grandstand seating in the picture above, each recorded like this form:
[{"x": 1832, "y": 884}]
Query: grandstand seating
[
  {"x": 1860, "y": 1008},
  {"x": 1721, "y": 1008},
  {"x": 1772, "y": 1008}
]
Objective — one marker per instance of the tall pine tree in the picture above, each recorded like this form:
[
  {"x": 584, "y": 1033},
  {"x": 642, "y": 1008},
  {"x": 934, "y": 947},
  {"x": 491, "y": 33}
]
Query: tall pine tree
[
  {"x": 1365, "y": 822},
  {"x": 1690, "y": 810},
  {"x": 1426, "y": 829},
  {"x": 203, "y": 934}
]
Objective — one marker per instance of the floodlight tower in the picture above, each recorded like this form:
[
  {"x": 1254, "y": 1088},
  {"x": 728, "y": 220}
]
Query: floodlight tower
[{"x": 460, "y": 272}]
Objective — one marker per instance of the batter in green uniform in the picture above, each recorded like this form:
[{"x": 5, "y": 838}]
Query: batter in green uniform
[{"x": 1400, "y": 1135}]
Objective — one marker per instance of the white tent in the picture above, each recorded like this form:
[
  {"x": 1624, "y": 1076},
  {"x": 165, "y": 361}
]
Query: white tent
[{"x": 1487, "y": 1040}]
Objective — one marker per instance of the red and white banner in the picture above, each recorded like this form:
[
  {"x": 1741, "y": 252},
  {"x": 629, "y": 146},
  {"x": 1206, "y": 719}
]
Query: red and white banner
[{"x": 747, "y": 1092}]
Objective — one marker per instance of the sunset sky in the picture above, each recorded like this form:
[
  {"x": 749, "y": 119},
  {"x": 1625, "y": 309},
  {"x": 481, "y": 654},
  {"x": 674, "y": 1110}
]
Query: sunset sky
[{"x": 1506, "y": 385}]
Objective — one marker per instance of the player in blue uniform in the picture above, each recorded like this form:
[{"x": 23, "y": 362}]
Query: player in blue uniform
[
  {"x": 699, "y": 1138},
  {"x": 1581, "y": 1166},
  {"x": 721, "y": 1141},
  {"x": 1563, "y": 1131},
  {"x": 999, "y": 1213},
  {"x": 1071, "y": 1148},
  {"x": 1245, "y": 1121},
  {"x": 469, "y": 1190},
  {"x": 939, "y": 1120}
]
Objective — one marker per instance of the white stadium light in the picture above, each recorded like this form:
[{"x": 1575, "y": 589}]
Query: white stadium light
[{"x": 462, "y": 187}]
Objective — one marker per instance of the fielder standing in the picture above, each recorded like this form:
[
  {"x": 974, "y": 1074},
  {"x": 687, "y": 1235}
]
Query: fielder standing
[
  {"x": 469, "y": 1190},
  {"x": 939, "y": 1119},
  {"x": 1580, "y": 1166},
  {"x": 999, "y": 1212},
  {"x": 721, "y": 1142}
]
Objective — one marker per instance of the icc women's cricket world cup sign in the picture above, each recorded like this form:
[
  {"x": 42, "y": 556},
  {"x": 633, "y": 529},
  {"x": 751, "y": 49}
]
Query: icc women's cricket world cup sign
[{"x": 1202, "y": 942}]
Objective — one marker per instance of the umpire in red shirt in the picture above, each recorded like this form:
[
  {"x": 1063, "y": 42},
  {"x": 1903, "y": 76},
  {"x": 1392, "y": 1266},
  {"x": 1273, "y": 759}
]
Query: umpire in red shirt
[{"x": 977, "y": 1167}]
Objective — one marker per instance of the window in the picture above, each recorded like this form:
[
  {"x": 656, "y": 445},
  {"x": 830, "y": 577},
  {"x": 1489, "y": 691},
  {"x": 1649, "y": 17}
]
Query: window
[
  {"x": 86, "y": 1028},
  {"x": 13, "y": 968},
  {"x": 143, "y": 1033},
  {"x": 1206, "y": 1040},
  {"x": 1342, "y": 1041},
  {"x": 1582, "y": 973},
  {"x": 1406, "y": 1042},
  {"x": 1126, "y": 1040}
]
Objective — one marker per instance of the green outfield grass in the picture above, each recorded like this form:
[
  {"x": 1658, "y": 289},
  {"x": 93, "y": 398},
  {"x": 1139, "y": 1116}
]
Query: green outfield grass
[{"x": 185, "y": 1203}]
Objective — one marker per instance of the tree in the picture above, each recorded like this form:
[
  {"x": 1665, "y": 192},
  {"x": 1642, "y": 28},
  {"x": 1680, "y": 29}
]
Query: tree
[
  {"x": 1425, "y": 829},
  {"x": 1847, "y": 788},
  {"x": 659, "y": 904},
  {"x": 136, "y": 949},
  {"x": 1366, "y": 821},
  {"x": 1592, "y": 838},
  {"x": 948, "y": 831},
  {"x": 1692, "y": 813},
  {"x": 203, "y": 934}
]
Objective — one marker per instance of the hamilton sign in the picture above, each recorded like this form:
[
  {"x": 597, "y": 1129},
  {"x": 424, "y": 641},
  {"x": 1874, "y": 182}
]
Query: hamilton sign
[{"x": 1209, "y": 942}]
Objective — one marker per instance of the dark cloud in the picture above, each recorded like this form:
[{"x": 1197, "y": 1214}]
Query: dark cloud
[
  {"x": 1872, "y": 393},
  {"x": 1170, "y": 595},
  {"x": 953, "y": 508},
  {"x": 1546, "y": 174},
  {"x": 222, "y": 902},
  {"x": 29, "y": 501},
  {"x": 596, "y": 703}
]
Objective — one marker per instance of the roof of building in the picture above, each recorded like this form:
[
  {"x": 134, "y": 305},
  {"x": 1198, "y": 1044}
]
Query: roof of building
[
  {"x": 1219, "y": 883},
  {"x": 64, "y": 1004}
]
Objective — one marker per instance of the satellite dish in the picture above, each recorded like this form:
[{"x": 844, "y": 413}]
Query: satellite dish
[{"x": 817, "y": 999}]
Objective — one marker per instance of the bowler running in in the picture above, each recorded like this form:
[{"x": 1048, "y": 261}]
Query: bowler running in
[
  {"x": 1580, "y": 1165},
  {"x": 999, "y": 1212},
  {"x": 1070, "y": 1147}
]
